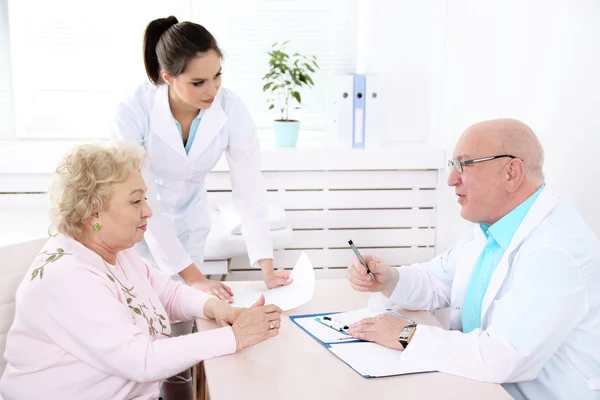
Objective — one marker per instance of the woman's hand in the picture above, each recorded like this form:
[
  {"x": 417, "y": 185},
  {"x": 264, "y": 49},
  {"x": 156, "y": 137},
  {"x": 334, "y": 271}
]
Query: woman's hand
[
  {"x": 273, "y": 279},
  {"x": 223, "y": 313},
  {"x": 216, "y": 288},
  {"x": 256, "y": 324},
  {"x": 194, "y": 278},
  {"x": 276, "y": 279}
]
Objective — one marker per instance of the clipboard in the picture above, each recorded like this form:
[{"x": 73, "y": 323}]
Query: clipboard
[
  {"x": 369, "y": 360},
  {"x": 332, "y": 323},
  {"x": 299, "y": 320}
]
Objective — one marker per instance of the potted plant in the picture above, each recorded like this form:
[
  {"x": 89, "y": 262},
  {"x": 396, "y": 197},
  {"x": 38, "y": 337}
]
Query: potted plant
[{"x": 287, "y": 74}]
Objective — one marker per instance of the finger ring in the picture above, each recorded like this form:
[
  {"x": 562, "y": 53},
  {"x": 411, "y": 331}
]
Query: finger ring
[{"x": 271, "y": 324}]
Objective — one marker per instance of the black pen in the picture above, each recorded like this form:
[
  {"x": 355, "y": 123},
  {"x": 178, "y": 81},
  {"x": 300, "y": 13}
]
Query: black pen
[{"x": 362, "y": 260}]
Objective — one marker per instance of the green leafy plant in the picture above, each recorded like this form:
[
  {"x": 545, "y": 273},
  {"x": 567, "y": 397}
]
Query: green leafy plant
[{"x": 287, "y": 74}]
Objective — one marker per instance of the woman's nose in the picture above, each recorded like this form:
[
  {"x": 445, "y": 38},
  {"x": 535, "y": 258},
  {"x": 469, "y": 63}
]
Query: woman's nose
[{"x": 147, "y": 211}]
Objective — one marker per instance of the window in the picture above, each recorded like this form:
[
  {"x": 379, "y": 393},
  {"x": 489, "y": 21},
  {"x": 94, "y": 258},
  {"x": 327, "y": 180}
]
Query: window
[
  {"x": 7, "y": 122},
  {"x": 246, "y": 29},
  {"x": 72, "y": 59}
]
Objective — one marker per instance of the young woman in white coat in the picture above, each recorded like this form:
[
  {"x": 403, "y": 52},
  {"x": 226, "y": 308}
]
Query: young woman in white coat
[{"x": 185, "y": 121}]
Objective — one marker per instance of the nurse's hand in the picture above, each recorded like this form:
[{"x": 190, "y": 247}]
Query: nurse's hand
[
  {"x": 272, "y": 278},
  {"x": 216, "y": 288},
  {"x": 275, "y": 279}
]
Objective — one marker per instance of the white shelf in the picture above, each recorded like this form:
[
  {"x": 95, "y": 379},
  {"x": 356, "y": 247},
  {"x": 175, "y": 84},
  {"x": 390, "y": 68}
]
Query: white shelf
[{"x": 27, "y": 166}]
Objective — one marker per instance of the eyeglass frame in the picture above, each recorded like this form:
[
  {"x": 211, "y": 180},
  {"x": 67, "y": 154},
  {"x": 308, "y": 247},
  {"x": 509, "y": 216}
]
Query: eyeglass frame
[{"x": 459, "y": 165}]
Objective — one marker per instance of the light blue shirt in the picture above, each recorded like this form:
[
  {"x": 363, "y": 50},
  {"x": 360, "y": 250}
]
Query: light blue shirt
[
  {"x": 193, "y": 130},
  {"x": 498, "y": 237}
]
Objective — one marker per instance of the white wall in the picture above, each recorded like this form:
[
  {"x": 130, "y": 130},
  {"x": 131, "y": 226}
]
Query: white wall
[
  {"x": 402, "y": 41},
  {"x": 533, "y": 60}
]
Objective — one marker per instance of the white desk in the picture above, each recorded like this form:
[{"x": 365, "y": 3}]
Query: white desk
[{"x": 295, "y": 366}]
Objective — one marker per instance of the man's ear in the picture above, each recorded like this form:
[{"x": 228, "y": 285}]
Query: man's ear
[{"x": 515, "y": 175}]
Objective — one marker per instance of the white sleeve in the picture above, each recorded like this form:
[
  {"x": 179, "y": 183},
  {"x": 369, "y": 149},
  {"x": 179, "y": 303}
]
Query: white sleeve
[
  {"x": 249, "y": 193},
  {"x": 131, "y": 124},
  {"x": 546, "y": 301},
  {"x": 426, "y": 286}
]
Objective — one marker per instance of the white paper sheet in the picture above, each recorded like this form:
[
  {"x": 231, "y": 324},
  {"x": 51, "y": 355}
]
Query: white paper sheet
[
  {"x": 299, "y": 292},
  {"x": 372, "y": 359}
]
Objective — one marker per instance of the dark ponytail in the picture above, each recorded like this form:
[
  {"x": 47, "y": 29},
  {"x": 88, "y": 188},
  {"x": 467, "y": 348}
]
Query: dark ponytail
[
  {"x": 169, "y": 46},
  {"x": 153, "y": 33}
]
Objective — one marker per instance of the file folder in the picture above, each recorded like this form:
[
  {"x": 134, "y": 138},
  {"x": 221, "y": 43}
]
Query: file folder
[
  {"x": 350, "y": 103},
  {"x": 359, "y": 111},
  {"x": 370, "y": 360},
  {"x": 343, "y": 102}
]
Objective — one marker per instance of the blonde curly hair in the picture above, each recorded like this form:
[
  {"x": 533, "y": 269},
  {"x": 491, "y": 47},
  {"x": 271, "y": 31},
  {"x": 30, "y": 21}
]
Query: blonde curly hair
[{"x": 83, "y": 182}]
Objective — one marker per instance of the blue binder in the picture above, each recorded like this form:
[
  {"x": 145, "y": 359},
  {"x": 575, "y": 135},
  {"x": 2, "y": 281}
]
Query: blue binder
[
  {"x": 358, "y": 112},
  {"x": 293, "y": 318},
  {"x": 328, "y": 345}
]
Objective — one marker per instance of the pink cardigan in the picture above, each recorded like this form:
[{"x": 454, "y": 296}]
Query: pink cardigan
[{"x": 85, "y": 329}]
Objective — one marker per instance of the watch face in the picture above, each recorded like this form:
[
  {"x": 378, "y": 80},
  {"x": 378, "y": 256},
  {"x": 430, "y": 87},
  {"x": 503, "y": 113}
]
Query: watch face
[{"x": 405, "y": 332}]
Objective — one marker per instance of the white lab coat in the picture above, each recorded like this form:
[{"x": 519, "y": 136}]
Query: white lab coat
[
  {"x": 540, "y": 314},
  {"x": 177, "y": 232}
]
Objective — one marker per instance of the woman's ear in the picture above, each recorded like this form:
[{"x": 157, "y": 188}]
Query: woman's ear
[
  {"x": 168, "y": 79},
  {"x": 94, "y": 219}
]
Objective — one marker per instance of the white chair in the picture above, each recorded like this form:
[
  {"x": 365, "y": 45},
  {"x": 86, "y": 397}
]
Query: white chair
[
  {"x": 222, "y": 244},
  {"x": 15, "y": 260}
]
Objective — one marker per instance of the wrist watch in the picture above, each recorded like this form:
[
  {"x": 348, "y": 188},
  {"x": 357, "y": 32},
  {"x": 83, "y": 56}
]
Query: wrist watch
[{"x": 406, "y": 335}]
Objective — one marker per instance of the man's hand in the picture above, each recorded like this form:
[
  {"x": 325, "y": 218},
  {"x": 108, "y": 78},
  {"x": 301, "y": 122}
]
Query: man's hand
[
  {"x": 383, "y": 329},
  {"x": 384, "y": 278}
]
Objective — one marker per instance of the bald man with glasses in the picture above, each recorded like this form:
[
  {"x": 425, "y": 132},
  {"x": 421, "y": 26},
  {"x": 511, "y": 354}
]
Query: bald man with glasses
[{"x": 523, "y": 286}]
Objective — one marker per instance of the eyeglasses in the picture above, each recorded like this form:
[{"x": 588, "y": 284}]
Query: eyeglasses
[{"x": 459, "y": 165}]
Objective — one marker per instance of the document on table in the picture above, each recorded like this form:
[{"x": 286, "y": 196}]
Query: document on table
[
  {"x": 370, "y": 360},
  {"x": 373, "y": 360},
  {"x": 299, "y": 292}
]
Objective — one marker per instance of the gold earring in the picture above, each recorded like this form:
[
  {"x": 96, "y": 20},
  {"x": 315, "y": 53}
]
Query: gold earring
[{"x": 96, "y": 227}]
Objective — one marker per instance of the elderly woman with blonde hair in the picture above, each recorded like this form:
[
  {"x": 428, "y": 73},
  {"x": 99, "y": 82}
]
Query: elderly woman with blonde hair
[{"x": 92, "y": 318}]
